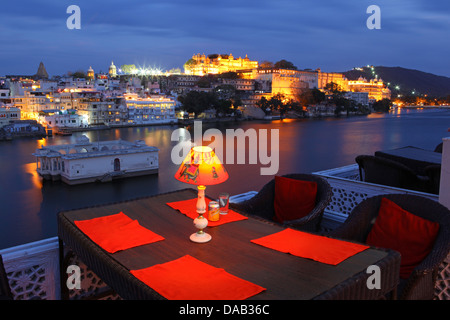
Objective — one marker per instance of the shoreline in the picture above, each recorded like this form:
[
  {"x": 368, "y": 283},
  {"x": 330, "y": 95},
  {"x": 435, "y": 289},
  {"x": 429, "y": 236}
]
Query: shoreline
[{"x": 186, "y": 122}]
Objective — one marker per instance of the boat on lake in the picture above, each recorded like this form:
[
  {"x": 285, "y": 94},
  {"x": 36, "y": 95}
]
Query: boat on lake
[{"x": 85, "y": 161}]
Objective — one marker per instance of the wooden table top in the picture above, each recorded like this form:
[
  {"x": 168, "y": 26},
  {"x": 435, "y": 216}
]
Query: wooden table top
[{"x": 286, "y": 277}]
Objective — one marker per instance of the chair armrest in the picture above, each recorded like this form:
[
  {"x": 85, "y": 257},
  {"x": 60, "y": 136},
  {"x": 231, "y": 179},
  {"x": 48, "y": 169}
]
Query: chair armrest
[
  {"x": 441, "y": 250},
  {"x": 260, "y": 204}
]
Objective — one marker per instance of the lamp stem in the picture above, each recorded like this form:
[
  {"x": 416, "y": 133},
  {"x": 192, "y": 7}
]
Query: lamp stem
[
  {"x": 201, "y": 203},
  {"x": 200, "y": 222}
]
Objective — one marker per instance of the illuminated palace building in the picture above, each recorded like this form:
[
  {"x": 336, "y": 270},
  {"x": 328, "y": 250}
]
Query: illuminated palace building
[
  {"x": 327, "y": 77},
  {"x": 284, "y": 81},
  {"x": 201, "y": 64},
  {"x": 376, "y": 88}
]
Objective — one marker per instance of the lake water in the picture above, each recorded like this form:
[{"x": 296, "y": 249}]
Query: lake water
[{"x": 28, "y": 205}]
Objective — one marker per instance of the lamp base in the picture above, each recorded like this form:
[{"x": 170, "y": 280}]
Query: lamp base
[
  {"x": 200, "y": 222},
  {"x": 200, "y": 237}
]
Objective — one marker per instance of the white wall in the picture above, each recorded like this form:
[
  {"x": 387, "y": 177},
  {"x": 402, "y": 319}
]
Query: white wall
[{"x": 444, "y": 190}]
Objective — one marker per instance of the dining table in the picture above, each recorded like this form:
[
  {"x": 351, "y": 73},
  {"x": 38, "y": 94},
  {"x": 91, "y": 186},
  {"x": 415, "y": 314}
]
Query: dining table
[
  {"x": 141, "y": 249},
  {"x": 415, "y": 158}
]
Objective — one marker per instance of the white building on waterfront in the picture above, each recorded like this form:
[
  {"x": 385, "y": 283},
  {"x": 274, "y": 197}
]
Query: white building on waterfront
[
  {"x": 62, "y": 119},
  {"x": 149, "y": 110},
  {"x": 8, "y": 114},
  {"x": 86, "y": 161},
  {"x": 358, "y": 97}
]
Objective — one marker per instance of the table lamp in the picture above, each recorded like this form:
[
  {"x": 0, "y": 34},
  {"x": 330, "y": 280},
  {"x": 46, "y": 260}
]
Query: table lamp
[{"x": 201, "y": 167}]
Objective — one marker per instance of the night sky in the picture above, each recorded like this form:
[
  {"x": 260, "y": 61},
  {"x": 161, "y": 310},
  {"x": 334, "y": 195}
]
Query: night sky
[{"x": 327, "y": 34}]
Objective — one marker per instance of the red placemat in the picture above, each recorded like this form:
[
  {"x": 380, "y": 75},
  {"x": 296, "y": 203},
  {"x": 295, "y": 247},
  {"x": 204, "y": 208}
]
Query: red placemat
[
  {"x": 306, "y": 245},
  {"x": 117, "y": 232},
  {"x": 187, "y": 278},
  {"x": 189, "y": 208}
]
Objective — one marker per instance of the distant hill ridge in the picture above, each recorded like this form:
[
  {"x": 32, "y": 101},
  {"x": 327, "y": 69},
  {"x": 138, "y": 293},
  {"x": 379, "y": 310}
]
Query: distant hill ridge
[{"x": 408, "y": 80}]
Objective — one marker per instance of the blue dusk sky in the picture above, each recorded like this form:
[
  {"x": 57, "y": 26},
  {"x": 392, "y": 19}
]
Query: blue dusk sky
[{"x": 327, "y": 34}]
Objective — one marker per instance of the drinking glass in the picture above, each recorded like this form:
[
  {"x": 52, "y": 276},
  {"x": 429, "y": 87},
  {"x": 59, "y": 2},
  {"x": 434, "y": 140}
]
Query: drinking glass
[{"x": 223, "y": 202}]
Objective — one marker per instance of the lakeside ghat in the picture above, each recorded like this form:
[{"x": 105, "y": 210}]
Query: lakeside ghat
[{"x": 30, "y": 205}]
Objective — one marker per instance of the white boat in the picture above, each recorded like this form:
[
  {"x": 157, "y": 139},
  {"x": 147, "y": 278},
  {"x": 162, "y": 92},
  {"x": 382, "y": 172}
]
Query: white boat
[{"x": 86, "y": 161}]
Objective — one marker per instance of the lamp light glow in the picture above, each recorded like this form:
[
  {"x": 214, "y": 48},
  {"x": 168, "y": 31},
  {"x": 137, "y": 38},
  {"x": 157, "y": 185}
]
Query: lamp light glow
[{"x": 201, "y": 167}]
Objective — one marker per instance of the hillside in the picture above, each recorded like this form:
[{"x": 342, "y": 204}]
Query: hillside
[{"x": 408, "y": 80}]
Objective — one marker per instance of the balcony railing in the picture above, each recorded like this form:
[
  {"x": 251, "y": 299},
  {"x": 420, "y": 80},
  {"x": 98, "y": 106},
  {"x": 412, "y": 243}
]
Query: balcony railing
[{"x": 348, "y": 191}]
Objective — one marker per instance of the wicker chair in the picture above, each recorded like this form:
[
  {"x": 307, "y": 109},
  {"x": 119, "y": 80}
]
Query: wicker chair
[
  {"x": 420, "y": 284},
  {"x": 434, "y": 174},
  {"x": 438, "y": 148},
  {"x": 390, "y": 173},
  {"x": 262, "y": 204},
  {"x": 5, "y": 290}
]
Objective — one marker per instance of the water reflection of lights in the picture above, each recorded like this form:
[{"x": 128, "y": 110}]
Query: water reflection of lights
[
  {"x": 30, "y": 168},
  {"x": 31, "y": 199},
  {"x": 41, "y": 143}
]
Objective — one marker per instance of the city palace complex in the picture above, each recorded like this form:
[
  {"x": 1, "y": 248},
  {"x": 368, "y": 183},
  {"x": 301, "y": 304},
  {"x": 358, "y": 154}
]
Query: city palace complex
[{"x": 119, "y": 98}]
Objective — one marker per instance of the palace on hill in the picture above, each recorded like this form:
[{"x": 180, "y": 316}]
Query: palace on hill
[{"x": 200, "y": 64}]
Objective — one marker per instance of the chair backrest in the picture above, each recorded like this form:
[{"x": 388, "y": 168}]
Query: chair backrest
[
  {"x": 262, "y": 203},
  {"x": 5, "y": 290},
  {"x": 438, "y": 148},
  {"x": 323, "y": 187},
  {"x": 387, "y": 172},
  {"x": 364, "y": 214},
  {"x": 434, "y": 173}
]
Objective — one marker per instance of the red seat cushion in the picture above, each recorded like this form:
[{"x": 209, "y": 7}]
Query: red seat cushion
[
  {"x": 293, "y": 198},
  {"x": 402, "y": 231}
]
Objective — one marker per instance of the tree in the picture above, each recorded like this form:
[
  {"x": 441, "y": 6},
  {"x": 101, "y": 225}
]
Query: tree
[
  {"x": 311, "y": 96},
  {"x": 382, "y": 105},
  {"x": 225, "y": 97},
  {"x": 264, "y": 104},
  {"x": 318, "y": 95},
  {"x": 266, "y": 64},
  {"x": 205, "y": 81},
  {"x": 190, "y": 62},
  {"x": 175, "y": 71},
  {"x": 283, "y": 64},
  {"x": 128, "y": 68},
  {"x": 229, "y": 75},
  {"x": 196, "y": 102},
  {"x": 295, "y": 106},
  {"x": 222, "y": 106},
  {"x": 275, "y": 103},
  {"x": 333, "y": 89},
  {"x": 78, "y": 75},
  {"x": 225, "y": 92},
  {"x": 342, "y": 104}
]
